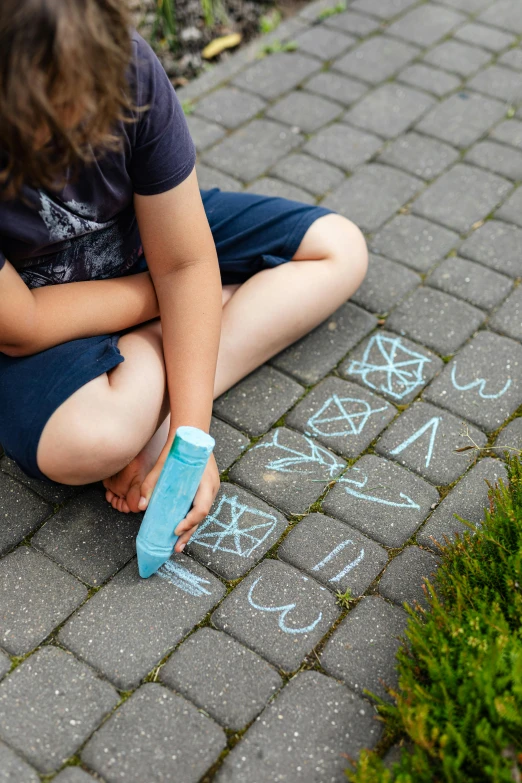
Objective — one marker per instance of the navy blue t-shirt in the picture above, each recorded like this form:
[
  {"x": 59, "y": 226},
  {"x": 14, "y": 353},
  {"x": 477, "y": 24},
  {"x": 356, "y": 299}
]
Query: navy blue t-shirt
[{"x": 88, "y": 230}]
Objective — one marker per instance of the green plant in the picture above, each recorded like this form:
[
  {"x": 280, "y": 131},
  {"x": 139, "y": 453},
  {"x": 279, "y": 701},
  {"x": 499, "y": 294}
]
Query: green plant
[
  {"x": 188, "y": 107},
  {"x": 459, "y": 698},
  {"x": 277, "y": 46},
  {"x": 336, "y": 9},
  {"x": 270, "y": 21},
  {"x": 343, "y": 599}
]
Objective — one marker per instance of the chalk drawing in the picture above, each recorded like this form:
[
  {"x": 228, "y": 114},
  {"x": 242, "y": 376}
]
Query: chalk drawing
[
  {"x": 181, "y": 577},
  {"x": 284, "y": 610},
  {"x": 403, "y": 368},
  {"x": 298, "y": 461},
  {"x": 434, "y": 424},
  {"x": 351, "y": 422},
  {"x": 479, "y": 383},
  {"x": 339, "y": 548},
  {"x": 235, "y": 528},
  {"x": 407, "y": 502}
]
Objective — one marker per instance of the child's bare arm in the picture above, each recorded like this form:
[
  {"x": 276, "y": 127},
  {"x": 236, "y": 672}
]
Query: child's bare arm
[{"x": 32, "y": 320}]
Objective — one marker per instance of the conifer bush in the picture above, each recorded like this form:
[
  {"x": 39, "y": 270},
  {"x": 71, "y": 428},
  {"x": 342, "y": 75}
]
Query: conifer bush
[{"x": 459, "y": 698}]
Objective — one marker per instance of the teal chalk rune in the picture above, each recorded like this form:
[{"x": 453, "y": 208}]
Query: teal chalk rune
[
  {"x": 402, "y": 367},
  {"x": 434, "y": 425},
  {"x": 234, "y": 527},
  {"x": 350, "y": 419}
]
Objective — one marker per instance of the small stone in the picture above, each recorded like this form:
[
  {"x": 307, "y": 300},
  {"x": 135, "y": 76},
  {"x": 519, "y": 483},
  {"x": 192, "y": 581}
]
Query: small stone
[
  {"x": 414, "y": 241},
  {"x": 404, "y": 577}
]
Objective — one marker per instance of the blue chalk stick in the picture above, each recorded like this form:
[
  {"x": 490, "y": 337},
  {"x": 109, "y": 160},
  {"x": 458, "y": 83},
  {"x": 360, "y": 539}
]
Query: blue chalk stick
[{"x": 172, "y": 497}]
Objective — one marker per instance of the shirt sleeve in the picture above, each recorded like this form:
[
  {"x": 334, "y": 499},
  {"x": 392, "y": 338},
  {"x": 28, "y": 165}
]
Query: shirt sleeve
[
  {"x": 163, "y": 153},
  {"x": 2, "y": 259}
]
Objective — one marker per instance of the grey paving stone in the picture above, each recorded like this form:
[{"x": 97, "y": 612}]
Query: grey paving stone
[
  {"x": 131, "y": 623},
  {"x": 343, "y": 146},
  {"x": 404, "y": 577},
  {"x": 424, "y": 438},
  {"x": 462, "y": 196},
  {"x": 462, "y": 118},
  {"x": 230, "y": 682},
  {"x": 336, "y": 555},
  {"x": 155, "y": 735},
  {"x": 239, "y": 530},
  {"x": 509, "y": 438},
  {"x": 353, "y": 23},
  {"x": 13, "y": 769},
  {"x": 430, "y": 79},
  {"x": 385, "y": 284},
  {"x": 259, "y": 400},
  {"x": 74, "y": 775},
  {"x": 468, "y": 500},
  {"x": 52, "y": 493},
  {"x": 496, "y": 244},
  {"x": 508, "y": 319},
  {"x": 511, "y": 210},
  {"x": 392, "y": 366},
  {"x": 506, "y": 14},
  {"x": 36, "y": 595},
  {"x": 310, "y": 358},
  {"x": 342, "y": 416},
  {"x": 303, "y": 735},
  {"x": 229, "y": 107},
  {"x": 310, "y": 173},
  {"x": 362, "y": 650},
  {"x": 5, "y": 664},
  {"x": 229, "y": 443},
  {"x": 376, "y": 59},
  {"x": 426, "y": 24},
  {"x": 513, "y": 58},
  {"x": 269, "y": 186},
  {"x": 49, "y": 705},
  {"x": 312, "y": 11},
  {"x": 509, "y": 131},
  {"x": 287, "y": 469},
  {"x": 204, "y": 133},
  {"x": 470, "y": 281},
  {"x": 389, "y": 110},
  {"x": 276, "y": 74},
  {"x": 248, "y": 152},
  {"x": 485, "y": 36},
  {"x": 383, "y": 500},
  {"x": 499, "y": 82},
  {"x": 306, "y": 112},
  {"x": 338, "y": 88},
  {"x": 436, "y": 319},
  {"x": 498, "y": 158},
  {"x": 483, "y": 382},
  {"x": 372, "y": 195},
  {"x": 457, "y": 57},
  {"x": 21, "y": 510},
  {"x": 211, "y": 178},
  {"x": 384, "y": 9},
  {"x": 90, "y": 538},
  {"x": 414, "y": 241},
  {"x": 419, "y": 155},
  {"x": 469, "y": 6},
  {"x": 278, "y": 612},
  {"x": 323, "y": 43}
]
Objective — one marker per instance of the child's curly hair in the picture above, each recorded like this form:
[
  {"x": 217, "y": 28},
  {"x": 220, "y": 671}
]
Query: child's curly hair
[{"x": 62, "y": 74}]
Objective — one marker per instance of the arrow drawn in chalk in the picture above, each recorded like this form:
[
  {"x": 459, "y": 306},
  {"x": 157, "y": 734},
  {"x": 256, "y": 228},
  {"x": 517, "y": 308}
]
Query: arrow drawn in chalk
[
  {"x": 407, "y": 501},
  {"x": 434, "y": 424}
]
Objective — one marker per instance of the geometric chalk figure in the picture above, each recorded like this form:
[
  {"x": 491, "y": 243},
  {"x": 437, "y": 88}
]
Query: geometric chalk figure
[
  {"x": 434, "y": 425},
  {"x": 297, "y": 459},
  {"x": 351, "y": 422},
  {"x": 234, "y": 527}
]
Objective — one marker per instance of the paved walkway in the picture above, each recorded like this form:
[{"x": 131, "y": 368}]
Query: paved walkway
[{"x": 238, "y": 663}]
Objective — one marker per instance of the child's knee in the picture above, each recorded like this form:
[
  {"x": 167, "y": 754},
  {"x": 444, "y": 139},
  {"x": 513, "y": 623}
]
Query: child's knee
[{"x": 348, "y": 250}]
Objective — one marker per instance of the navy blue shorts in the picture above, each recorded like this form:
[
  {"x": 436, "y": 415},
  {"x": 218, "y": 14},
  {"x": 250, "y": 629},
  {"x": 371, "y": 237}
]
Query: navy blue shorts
[{"x": 251, "y": 233}]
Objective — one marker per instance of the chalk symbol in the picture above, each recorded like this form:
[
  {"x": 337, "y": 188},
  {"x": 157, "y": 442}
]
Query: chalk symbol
[
  {"x": 235, "y": 528},
  {"x": 434, "y": 425},
  {"x": 403, "y": 367},
  {"x": 300, "y": 462},
  {"x": 408, "y": 502},
  {"x": 339, "y": 548},
  {"x": 479, "y": 383},
  {"x": 181, "y": 577},
  {"x": 352, "y": 422},
  {"x": 284, "y": 610}
]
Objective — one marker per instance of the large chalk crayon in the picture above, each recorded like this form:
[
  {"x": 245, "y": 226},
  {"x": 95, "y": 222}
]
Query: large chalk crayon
[{"x": 172, "y": 497}]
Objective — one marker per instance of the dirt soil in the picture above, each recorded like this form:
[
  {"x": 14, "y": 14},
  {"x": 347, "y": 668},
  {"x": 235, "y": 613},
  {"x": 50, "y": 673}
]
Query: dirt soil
[{"x": 185, "y": 62}]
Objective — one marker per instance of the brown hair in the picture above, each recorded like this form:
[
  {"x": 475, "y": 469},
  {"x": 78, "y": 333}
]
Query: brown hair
[{"x": 62, "y": 73}]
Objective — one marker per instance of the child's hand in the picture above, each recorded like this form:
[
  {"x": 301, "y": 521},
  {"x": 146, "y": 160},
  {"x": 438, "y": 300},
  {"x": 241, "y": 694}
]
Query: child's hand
[{"x": 207, "y": 491}]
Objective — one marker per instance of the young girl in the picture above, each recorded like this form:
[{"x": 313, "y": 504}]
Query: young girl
[{"x": 130, "y": 299}]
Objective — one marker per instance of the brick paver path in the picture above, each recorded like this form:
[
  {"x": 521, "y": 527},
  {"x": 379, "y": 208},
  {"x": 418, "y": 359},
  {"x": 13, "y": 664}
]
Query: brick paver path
[{"x": 238, "y": 663}]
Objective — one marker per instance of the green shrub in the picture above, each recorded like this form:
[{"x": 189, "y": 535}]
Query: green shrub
[{"x": 459, "y": 698}]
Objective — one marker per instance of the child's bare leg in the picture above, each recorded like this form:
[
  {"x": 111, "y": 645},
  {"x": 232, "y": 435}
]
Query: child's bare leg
[{"x": 263, "y": 316}]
